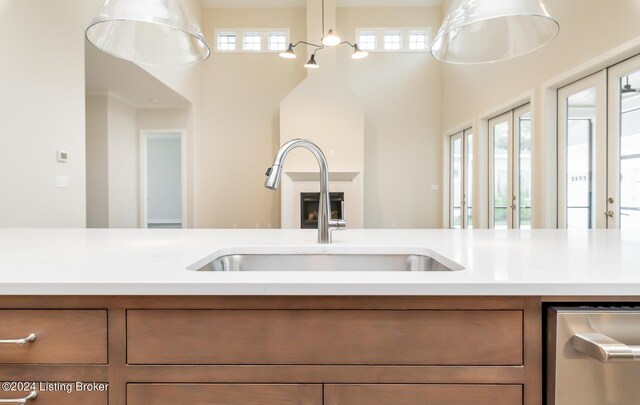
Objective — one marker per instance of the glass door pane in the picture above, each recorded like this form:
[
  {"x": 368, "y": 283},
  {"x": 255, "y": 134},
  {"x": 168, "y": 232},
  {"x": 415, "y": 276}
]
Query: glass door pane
[
  {"x": 579, "y": 172},
  {"x": 455, "y": 187},
  {"x": 624, "y": 146},
  {"x": 523, "y": 167},
  {"x": 468, "y": 140},
  {"x": 500, "y": 128}
]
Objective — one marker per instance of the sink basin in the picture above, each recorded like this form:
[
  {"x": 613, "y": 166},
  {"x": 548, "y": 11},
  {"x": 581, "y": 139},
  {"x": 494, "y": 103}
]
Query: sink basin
[{"x": 420, "y": 260}]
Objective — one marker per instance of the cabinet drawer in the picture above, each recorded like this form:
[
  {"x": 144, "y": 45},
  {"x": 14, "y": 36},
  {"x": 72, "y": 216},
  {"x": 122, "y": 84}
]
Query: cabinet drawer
[
  {"x": 423, "y": 394},
  {"x": 59, "y": 397},
  {"x": 317, "y": 337},
  {"x": 62, "y": 336},
  {"x": 224, "y": 394}
]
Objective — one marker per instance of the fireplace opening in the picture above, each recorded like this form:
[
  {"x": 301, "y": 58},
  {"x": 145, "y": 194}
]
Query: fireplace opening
[{"x": 309, "y": 203}]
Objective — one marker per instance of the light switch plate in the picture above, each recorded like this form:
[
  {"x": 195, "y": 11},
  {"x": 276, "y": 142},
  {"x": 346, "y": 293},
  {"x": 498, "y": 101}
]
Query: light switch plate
[
  {"x": 63, "y": 156},
  {"x": 62, "y": 181}
]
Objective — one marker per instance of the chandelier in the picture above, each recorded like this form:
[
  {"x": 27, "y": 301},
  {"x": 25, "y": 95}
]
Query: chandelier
[{"x": 331, "y": 39}]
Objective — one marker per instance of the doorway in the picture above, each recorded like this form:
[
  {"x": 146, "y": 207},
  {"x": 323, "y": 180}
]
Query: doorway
[
  {"x": 599, "y": 149},
  {"x": 163, "y": 179}
]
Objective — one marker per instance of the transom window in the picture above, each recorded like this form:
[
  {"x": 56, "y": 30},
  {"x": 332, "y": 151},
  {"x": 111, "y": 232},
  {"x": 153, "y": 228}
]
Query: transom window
[
  {"x": 227, "y": 41},
  {"x": 417, "y": 40},
  {"x": 251, "y": 40},
  {"x": 277, "y": 41},
  {"x": 393, "y": 39},
  {"x": 367, "y": 40}
]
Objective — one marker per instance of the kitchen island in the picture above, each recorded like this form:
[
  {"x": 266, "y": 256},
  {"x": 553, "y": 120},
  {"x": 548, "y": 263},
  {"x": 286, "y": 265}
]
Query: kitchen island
[{"x": 119, "y": 307}]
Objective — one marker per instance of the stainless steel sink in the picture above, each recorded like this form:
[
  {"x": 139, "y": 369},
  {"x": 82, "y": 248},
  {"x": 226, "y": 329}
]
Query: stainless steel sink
[{"x": 327, "y": 262}]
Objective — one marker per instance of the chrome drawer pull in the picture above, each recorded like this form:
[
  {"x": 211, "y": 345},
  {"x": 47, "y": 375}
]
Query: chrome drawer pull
[
  {"x": 28, "y": 339},
  {"x": 605, "y": 349},
  {"x": 20, "y": 401}
]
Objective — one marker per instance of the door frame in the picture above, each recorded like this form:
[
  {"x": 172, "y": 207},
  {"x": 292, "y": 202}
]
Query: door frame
[{"x": 145, "y": 135}]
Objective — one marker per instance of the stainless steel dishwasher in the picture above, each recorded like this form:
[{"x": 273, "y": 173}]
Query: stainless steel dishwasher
[{"x": 593, "y": 356}]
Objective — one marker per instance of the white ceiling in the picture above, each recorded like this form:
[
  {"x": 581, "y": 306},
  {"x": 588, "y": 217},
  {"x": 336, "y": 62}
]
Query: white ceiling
[
  {"x": 302, "y": 3},
  {"x": 106, "y": 74}
]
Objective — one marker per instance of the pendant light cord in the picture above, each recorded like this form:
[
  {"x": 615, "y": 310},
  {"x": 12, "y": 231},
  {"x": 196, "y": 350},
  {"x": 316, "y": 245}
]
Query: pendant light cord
[{"x": 322, "y": 19}]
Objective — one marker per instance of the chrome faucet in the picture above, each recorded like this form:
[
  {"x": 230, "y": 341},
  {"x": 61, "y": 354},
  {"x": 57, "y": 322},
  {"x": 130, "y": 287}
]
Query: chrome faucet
[{"x": 325, "y": 223}]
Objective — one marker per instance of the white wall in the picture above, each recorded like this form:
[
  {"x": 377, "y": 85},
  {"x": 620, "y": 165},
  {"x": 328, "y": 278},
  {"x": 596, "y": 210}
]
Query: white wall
[
  {"x": 401, "y": 94},
  {"x": 240, "y": 136},
  {"x": 589, "y": 28},
  {"x": 164, "y": 180},
  {"x": 124, "y": 158},
  {"x": 163, "y": 118},
  {"x": 41, "y": 111},
  {"x": 97, "y": 141}
]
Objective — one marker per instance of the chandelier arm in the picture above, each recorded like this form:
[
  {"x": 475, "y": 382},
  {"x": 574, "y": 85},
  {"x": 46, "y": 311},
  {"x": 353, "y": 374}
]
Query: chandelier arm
[{"x": 308, "y": 43}]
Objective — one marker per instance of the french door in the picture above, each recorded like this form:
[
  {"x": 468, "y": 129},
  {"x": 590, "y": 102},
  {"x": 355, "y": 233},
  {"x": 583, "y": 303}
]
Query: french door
[
  {"x": 510, "y": 169},
  {"x": 461, "y": 180},
  {"x": 582, "y": 146},
  {"x": 599, "y": 149}
]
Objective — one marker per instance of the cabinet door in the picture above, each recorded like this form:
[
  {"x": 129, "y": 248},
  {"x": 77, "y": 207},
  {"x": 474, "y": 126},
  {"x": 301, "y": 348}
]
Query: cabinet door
[
  {"x": 436, "y": 394},
  {"x": 224, "y": 394},
  {"x": 313, "y": 337},
  {"x": 54, "y": 336}
]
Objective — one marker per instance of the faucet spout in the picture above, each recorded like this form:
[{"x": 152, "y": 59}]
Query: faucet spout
[{"x": 325, "y": 223}]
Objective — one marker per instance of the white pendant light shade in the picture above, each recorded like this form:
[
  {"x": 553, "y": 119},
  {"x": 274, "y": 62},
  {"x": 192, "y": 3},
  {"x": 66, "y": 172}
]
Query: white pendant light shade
[
  {"x": 481, "y": 31},
  {"x": 289, "y": 53},
  {"x": 358, "y": 53},
  {"x": 155, "y": 32},
  {"x": 331, "y": 39}
]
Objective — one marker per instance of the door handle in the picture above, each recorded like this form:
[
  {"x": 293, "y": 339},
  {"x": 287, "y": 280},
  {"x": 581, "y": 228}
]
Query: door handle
[
  {"x": 28, "y": 339},
  {"x": 20, "y": 401},
  {"x": 605, "y": 349}
]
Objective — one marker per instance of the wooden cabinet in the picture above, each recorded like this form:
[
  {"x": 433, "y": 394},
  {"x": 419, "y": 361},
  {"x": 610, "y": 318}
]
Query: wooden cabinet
[
  {"x": 224, "y": 394},
  {"x": 61, "y": 337},
  {"x": 325, "y": 337},
  {"x": 412, "y": 394},
  {"x": 276, "y": 350}
]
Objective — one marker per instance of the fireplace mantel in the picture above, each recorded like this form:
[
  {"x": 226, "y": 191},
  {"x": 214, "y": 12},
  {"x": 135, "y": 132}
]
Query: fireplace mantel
[{"x": 315, "y": 176}]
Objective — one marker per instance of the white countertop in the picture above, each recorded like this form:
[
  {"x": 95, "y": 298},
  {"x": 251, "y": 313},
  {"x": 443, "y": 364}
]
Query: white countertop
[{"x": 153, "y": 262}]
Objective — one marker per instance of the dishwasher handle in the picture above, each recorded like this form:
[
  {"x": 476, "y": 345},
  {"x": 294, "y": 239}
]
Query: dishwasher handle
[{"x": 605, "y": 349}]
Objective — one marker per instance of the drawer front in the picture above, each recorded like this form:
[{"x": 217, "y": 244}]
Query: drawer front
[
  {"x": 62, "y": 336},
  {"x": 317, "y": 337},
  {"x": 59, "y": 397},
  {"x": 224, "y": 394},
  {"x": 423, "y": 394}
]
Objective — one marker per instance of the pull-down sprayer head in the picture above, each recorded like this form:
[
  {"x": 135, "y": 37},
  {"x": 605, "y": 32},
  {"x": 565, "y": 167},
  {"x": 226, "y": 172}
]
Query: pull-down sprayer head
[{"x": 273, "y": 177}]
